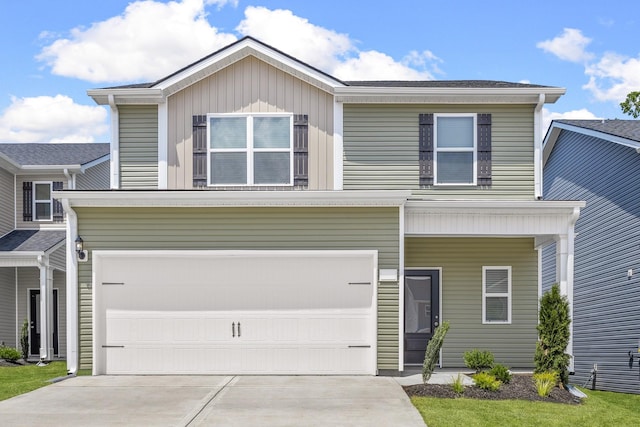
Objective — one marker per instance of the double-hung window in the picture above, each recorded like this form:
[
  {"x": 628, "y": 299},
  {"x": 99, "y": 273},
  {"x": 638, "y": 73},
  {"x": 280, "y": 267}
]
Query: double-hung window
[
  {"x": 250, "y": 149},
  {"x": 455, "y": 149},
  {"x": 42, "y": 201},
  {"x": 496, "y": 294}
]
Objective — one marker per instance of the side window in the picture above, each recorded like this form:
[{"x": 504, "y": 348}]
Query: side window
[
  {"x": 42, "y": 201},
  {"x": 496, "y": 295},
  {"x": 455, "y": 149}
]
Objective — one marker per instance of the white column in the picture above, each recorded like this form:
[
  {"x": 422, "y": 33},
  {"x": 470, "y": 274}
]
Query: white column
[
  {"x": 46, "y": 312},
  {"x": 338, "y": 146},
  {"x": 72, "y": 289},
  {"x": 163, "y": 144},
  {"x": 564, "y": 278}
]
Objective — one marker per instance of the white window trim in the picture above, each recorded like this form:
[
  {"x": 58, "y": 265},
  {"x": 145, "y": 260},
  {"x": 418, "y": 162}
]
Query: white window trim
[
  {"x": 250, "y": 150},
  {"x": 437, "y": 150},
  {"x": 508, "y": 295},
  {"x": 34, "y": 201}
]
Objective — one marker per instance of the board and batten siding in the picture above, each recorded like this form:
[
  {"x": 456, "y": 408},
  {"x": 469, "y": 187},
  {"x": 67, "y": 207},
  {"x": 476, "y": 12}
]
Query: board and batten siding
[
  {"x": 94, "y": 178},
  {"x": 138, "y": 135},
  {"x": 381, "y": 150},
  {"x": 461, "y": 260},
  {"x": 7, "y": 201},
  {"x": 250, "y": 86},
  {"x": 246, "y": 229},
  {"x": 606, "y": 301},
  {"x": 20, "y": 223},
  {"x": 8, "y": 328}
]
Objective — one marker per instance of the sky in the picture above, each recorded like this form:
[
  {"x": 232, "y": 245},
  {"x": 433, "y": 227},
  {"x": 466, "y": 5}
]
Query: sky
[{"x": 53, "y": 51}]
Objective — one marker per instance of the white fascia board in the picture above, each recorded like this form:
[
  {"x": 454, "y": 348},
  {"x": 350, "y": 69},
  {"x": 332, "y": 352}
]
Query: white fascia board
[
  {"x": 202, "y": 198},
  {"x": 95, "y": 162},
  {"x": 8, "y": 164},
  {"x": 501, "y": 206},
  {"x": 20, "y": 259},
  {"x": 133, "y": 95}
]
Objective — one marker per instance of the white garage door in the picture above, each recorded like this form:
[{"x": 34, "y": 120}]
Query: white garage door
[{"x": 247, "y": 312}]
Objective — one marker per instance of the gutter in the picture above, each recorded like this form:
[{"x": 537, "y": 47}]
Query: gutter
[
  {"x": 115, "y": 143},
  {"x": 72, "y": 289},
  {"x": 537, "y": 146}
]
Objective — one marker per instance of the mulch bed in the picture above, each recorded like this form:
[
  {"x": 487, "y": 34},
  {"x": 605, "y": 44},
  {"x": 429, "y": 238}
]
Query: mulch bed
[
  {"x": 19, "y": 362},
  {"x": 520, "y": 387}
]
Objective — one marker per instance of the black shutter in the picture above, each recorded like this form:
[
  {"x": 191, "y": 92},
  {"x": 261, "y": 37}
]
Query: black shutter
[
  {"x": 27, "y": 201},
  {"x": 301, "y": 151},
  {"x": 199, "y": 138},
  {"x": 58, "y": 212},
  {"x": 484, "y": 149},
  {"x": 425, "y": 147}
]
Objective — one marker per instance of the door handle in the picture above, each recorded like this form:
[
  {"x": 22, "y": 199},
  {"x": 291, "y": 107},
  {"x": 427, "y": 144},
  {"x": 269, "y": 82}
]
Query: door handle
[
  {"x": 233, "y": 330},
  {"x": 436, "y": 324},
  {"x": 239, "y": 333}
]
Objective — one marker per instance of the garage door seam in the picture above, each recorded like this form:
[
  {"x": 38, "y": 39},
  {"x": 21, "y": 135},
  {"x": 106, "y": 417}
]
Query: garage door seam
[{"x": 197, "y": 414}]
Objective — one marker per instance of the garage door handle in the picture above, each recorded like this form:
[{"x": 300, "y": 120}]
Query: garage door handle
[
  {"x": 359, "y": 346},
  {"x": 112, "y": 346},
  {"x": 239, "y": 332},
  {"x": 233, "y": 330}
]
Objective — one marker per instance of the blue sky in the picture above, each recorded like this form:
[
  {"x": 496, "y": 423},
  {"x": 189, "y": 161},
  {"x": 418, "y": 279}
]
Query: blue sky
[{"x": 53, "y": 51}]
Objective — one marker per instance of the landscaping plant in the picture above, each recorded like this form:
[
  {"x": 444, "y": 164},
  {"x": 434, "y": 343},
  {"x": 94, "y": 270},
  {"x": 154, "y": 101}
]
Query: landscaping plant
[
  {"x": 458, "y": 384},
  {"x": 24, "y": 339},
  {"x": 553, "y": 335},
  {"x": 9, "y": 354},
  {"x": 545, "y": 382},
  {"x": 478, "y": 360},
  {"x": 432, "y": 354},
  {"x": 501, "y": 372},
  {"x": 487, "y": 381}
]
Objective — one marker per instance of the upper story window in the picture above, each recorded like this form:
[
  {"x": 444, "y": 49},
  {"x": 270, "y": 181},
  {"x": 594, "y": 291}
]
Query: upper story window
[
  {"x": 246, "y": 150},
  {"x": 42, "y": 201},
  {"x": 455, "y": 149}
]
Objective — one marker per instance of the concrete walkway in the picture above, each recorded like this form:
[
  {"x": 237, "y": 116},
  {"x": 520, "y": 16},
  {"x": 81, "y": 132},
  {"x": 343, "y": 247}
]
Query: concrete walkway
[{"x": 214, "y": 401}]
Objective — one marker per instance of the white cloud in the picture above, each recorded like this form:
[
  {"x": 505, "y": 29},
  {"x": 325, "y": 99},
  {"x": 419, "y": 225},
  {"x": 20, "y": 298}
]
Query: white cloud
[
  {"x": 569, "y": 46},
  {"x": 51, "y": 119},
  {"x": 611, "y": 78},
  {"x": 148, "y": 41},
  {"x": 330, "y": 51},
  {"x": 582, "y": 114}
]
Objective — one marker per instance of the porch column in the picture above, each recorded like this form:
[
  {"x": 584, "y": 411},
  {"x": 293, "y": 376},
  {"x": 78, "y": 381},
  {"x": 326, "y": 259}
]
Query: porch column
[
  {"x": 564, "y": 278},
  {"x": 46, "y": 311}
]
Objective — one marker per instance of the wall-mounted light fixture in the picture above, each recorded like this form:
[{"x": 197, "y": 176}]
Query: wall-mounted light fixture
[{"x": 82, "y": 254}]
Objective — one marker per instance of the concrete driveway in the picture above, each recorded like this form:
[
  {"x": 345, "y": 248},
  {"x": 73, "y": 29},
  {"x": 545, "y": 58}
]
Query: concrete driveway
[{"x": 214, "y": 401}]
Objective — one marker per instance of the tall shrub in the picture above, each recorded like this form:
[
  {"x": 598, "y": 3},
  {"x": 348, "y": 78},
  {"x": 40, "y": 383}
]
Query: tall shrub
[
  {"x": 553, "y": 334},
  {"x": 24, "y": 339},
  {"x": 432, "y": 354}
]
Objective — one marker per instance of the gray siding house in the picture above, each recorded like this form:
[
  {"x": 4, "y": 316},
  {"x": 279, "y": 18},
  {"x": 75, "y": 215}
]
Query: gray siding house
[
  {"x": 265, "y": 217},
  {"x": 598, "y": 161},
  {"x": 33, "y": 238}
]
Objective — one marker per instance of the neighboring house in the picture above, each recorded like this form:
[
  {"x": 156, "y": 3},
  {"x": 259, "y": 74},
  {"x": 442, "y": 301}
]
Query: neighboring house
[
  {"x": 266, "y": 217},
  {"x": 32, "y": 238},
  {"x": 598, "y": 161}
]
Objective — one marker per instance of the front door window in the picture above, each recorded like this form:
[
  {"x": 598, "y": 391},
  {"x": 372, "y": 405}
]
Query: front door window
[{"x": 421, "y": 312}]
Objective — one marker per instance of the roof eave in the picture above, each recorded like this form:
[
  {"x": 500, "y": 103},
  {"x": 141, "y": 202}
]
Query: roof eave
[{"x": 127, "y": 95}]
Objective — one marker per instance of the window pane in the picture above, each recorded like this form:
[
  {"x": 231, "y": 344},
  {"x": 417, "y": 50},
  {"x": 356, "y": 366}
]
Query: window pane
[
  {"x": 417, "y": 304},
  {"x": 455, "y": 132},
  {"x": 228, "y": 132},
  {"x": 497, "y": 281},
  {"x": 455, "y": 168},
  {"x": 496, "y": 309},
  {"x": 271, "y": 132},
  {"x": 43, "y": 191},
  {"x": 43, "y": 210},
  {"x": 228, "y": 168},
  {"x": 271, "y": 168}
]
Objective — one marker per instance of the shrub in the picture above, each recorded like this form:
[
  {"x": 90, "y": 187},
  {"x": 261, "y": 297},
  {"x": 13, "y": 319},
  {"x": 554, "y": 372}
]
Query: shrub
[
  {"x": 553, "y": 334},
  {"x": 458, "y": 384},
  {"x": 9, "y": 354},
  {"x": 478, "y": 360},
  {"x": 486, "y": 381},
  {"x": 24, "y": 339},
  {"x": 501, "y": 372},
  {"x": 545, "y": 382},
  {"x": 432, "y": 354}
]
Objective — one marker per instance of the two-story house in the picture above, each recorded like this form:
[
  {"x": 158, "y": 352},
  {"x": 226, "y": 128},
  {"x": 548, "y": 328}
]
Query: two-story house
[
  {"x": 266, "y": 217},
  {"x": 33, "y": 234}
]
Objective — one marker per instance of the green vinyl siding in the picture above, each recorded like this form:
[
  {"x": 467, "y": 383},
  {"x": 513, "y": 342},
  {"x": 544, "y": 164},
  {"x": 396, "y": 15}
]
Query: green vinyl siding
[
  {"x": 461, "y": 260},
  {"x": 138, "y": 146},
  {"x": 283, "y": 228},
  {"x": 381, "y": 150}
]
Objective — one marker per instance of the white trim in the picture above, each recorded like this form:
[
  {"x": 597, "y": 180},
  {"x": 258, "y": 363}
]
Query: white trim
[
  {"x": 72, "y": 289},
  {"x": 338, "y": 145},
  {"x": 537, "y": 146},
  {"x": 115, "y": 144},
  {"x": 473, "y": 150},
  {"x": 35, "y": 200},
  {"x": 163, "y": 145},
  {"x": 401, "y": 255},
  {"x": 485, "y": 295}
]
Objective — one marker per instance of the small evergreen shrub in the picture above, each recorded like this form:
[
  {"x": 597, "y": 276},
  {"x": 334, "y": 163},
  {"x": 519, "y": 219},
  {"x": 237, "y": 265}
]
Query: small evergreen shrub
[
  {"x": 478, "y": 360},
  {"x": 432, "y": 354},
  {"x": 487, "y": 381},
  {"x": 9, "y": 354},
  {"x": 458, "y": 384},
  {"x": 501, "y": 372},
  {"x": 553, "y": 334},
  {"x": 545, "y": 382}
]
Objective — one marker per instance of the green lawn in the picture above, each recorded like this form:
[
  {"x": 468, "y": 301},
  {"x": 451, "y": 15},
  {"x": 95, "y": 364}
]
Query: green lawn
[
  {"x": 22, "y": 379},
  {"x": 599, "y": 409}
]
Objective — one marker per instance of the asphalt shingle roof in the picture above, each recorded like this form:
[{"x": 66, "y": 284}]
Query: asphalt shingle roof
[
  {"x": 629, "y": 129},
  {"x": 465, "y": 84},
  {"x": 31, "y": 240},
  {"x": 54, "y": 154}
]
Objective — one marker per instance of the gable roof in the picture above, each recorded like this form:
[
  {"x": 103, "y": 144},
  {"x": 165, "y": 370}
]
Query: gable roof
[
  {"x": 380, "y": 91},
  {"x": 29, "y": 156},
  {"x": 623, "y": 132}
]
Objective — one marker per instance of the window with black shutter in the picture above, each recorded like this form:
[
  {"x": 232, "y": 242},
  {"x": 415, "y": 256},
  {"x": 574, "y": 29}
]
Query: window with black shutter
[{"x": 58, "y": 211}]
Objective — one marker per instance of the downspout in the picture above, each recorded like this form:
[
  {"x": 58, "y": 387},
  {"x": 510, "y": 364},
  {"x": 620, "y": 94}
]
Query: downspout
[
  {"x": 115, "y": 143},
  {"x": 571, "y": 233},
  {"x": 72, "y": 289},
  {"x": 71, "y": 179},
  {"x": 537, "y": 146}
]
